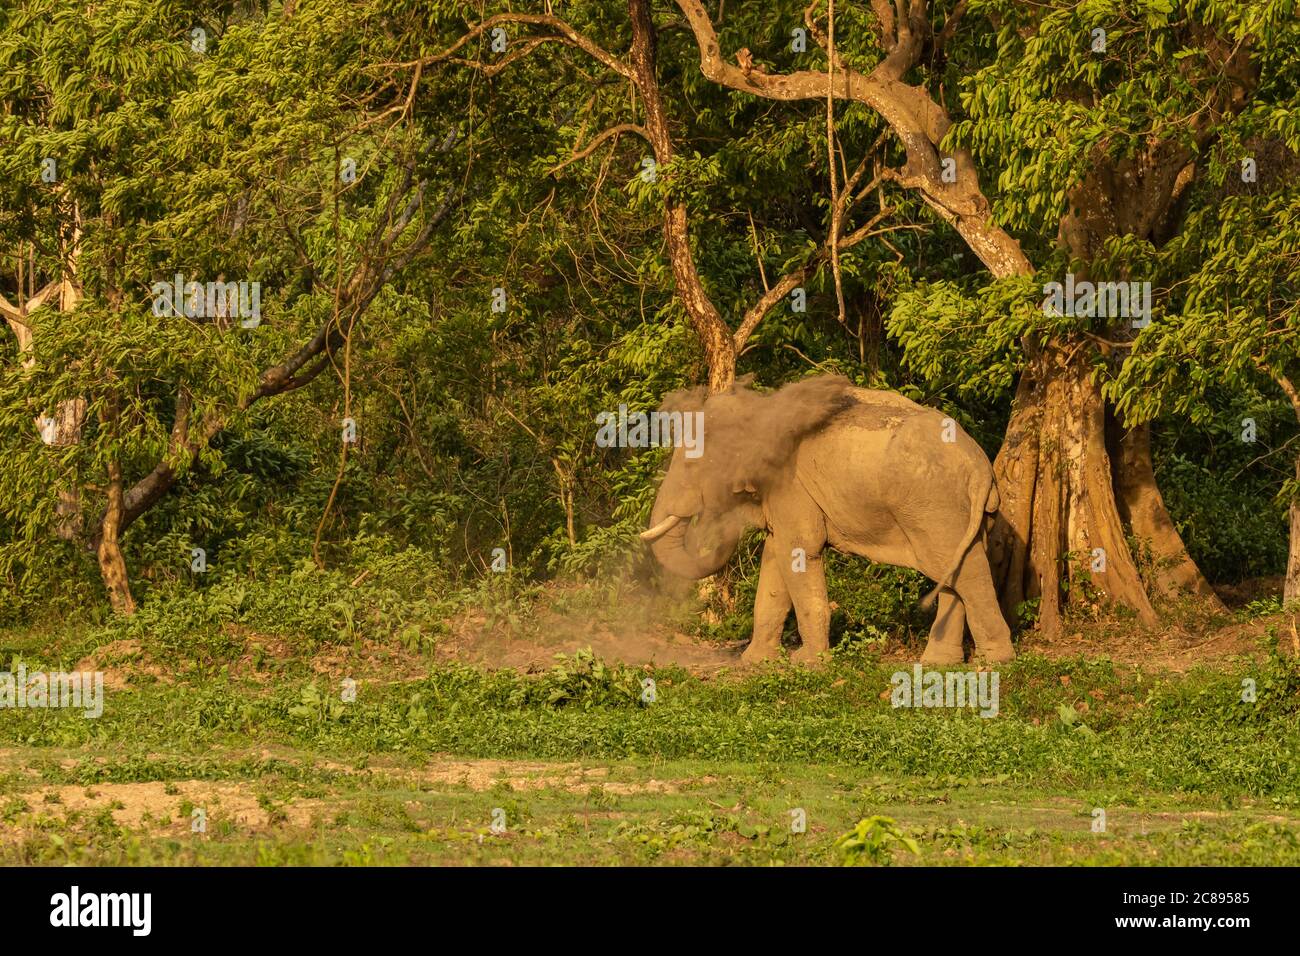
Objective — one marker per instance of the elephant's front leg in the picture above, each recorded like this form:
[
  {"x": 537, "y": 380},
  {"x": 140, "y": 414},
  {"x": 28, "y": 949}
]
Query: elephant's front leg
[
  {"x": 771, "y": 606},
  {"x": 805, "y": 577}
]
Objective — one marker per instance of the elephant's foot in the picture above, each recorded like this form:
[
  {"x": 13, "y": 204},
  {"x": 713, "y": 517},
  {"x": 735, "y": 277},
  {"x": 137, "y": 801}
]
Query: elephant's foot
[
  {"x": 811, "y": 656},
  {"x": 757, "y": 653},
  {"x": 939, "y": 654},
  {"x": 998, "y": 653}
]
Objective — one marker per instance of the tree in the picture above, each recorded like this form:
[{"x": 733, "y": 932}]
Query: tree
[
  {"x": 151, "y": 117},
  {"x": 1092, "y": 139},
  {"x": 1235, "y": 321},
  {"x": 1094, "y": 135},
  {"x": 641, "y": 69}
]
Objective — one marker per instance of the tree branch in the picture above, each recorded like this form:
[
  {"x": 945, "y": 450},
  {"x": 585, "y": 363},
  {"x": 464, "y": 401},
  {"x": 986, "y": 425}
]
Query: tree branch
[
  {"x": 564, "y": 32},
  {"x": 361, "y": 289},
  {"x": 916, "y": 119},
  {"x": 591, "y": 147}
]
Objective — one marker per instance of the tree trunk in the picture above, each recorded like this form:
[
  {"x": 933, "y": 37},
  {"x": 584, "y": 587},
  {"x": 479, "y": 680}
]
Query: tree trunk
[
  {"x": 1059, "y": 526},
  {"x": 69, "y": 419},
  {"x": 1291, "y": 586},
  {"x": 1143, "y": 508},
  {"x": 714, "y": 335},
  {"x": 112, "y": 564}
]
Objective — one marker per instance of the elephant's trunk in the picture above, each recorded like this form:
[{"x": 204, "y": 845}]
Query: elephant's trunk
[{"x": 683, "y": 550}]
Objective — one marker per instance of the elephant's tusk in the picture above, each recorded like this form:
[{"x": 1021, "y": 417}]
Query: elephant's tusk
[{"x": 661, "y": 529}]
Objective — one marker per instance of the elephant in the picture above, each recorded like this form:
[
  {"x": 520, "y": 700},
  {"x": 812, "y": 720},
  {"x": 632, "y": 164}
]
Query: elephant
[{"x": 820, "y": 463}]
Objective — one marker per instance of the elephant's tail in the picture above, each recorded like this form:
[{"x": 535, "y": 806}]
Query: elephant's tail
[{"x": 984, "y": 498}]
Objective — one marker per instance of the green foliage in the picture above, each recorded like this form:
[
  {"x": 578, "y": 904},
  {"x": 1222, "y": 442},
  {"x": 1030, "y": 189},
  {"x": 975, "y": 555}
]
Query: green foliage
[
  {"x": 585, "y": 681},
  {"x": 873, "y": 841},
  {"x": 476, "y": 427},
  {"x": 315, "y": 706},
  {"x": 1234, "y": 530}
]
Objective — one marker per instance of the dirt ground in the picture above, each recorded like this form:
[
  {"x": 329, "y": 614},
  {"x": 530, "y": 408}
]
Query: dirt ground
[
  {"x": 1191, "y": 637},
  {"x": 536, "y": 651},
  {"x": 634, "y": 631},
  {"x": 158, "y": 807}
]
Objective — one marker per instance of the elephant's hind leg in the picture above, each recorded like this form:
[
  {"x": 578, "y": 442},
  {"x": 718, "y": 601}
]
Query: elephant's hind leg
[
  {"x": 987, "y": 625},
  {"x": 947, "y": 632},
  {"x": 771, "y": 607}
]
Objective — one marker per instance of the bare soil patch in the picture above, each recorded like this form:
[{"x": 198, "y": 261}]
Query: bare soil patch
[
  {"x": 121, "y": 662},
  {"x": 157, "y": 806},
  {"x": 632, "y": 627},
  {"x": 497, "y": 648},
  {"x": 480, "y": 775},
  {"x": 1178, "y": 647}
]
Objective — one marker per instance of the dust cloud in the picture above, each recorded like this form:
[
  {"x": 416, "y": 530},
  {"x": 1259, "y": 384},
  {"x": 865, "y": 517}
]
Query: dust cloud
[{"x": 750, "y": 436}]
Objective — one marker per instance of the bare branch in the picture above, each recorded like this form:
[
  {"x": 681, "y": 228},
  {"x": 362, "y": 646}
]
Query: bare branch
[
  {"x": 591, "y": 147},
  {"x": 916, "y": 119},
  {"x": 17, "y": 316},
  {"x": 564, "y": 32},
  {"x": 788, "y": 282}
]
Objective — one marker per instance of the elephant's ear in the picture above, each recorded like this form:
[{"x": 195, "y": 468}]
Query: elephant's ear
[{"x": 750, "y": 439}]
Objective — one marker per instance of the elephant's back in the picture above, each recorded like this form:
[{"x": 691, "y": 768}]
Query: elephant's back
[
  {"x": 878, "y": 410},
  {"x": 877, "y": 398},
  {"x": 881, "y": 426}
]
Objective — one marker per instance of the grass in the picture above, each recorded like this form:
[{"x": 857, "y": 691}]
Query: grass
[
  {"x": 585, "y": 771},
  {"x": 289, "y": 809}
]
